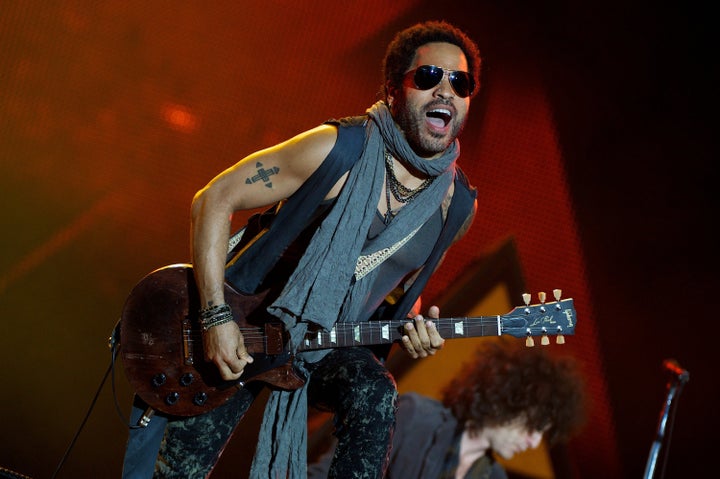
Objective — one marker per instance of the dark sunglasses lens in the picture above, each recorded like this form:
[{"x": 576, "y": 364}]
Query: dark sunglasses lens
[
  {"x": 461, "y": 83},
  {"x": 427, "y": 77}
]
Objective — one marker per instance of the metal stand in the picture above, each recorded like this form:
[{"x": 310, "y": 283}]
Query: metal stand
[{"x": 679, "y": 377}]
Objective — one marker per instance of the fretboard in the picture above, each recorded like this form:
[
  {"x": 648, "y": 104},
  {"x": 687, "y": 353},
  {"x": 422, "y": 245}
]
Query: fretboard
[{"x": 386, "y": 332}]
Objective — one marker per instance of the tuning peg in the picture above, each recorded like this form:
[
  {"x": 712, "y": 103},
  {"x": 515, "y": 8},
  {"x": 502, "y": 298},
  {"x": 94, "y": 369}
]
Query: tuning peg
[
  {"x": 560, "y": 338},
  {"x": 526, "y": 299},
  {"x": 529, "y": 341},
  {"x": 557, "y": 293},
  {"x": 542, "y": 296},
  {"x": 544, "y": 340}
]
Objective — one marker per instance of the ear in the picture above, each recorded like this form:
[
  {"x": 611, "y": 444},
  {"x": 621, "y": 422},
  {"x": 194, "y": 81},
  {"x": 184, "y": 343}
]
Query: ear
[
  {"x": 471, "y": 428},
  {"x": 389, "y": 102},
  {"x": 390, "y": 94}
]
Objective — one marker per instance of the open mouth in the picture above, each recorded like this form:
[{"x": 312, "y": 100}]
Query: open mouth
[{"x": 439, "y": 117}]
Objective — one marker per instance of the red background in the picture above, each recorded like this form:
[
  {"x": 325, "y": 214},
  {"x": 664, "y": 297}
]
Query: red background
[{"x": 589, "y": 144}]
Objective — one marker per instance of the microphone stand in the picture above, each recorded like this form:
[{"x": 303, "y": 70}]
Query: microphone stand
[{"x": 678, "y": 379}]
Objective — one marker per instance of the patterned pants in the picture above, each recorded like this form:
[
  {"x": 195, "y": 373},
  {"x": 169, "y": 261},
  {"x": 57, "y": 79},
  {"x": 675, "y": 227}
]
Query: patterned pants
[{"x": 350, "y": 382}]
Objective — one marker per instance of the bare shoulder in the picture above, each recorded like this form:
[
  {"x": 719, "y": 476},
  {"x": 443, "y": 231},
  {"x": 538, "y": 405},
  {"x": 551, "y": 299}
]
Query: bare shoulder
[
  {"x": 304, "y": 152},
  {"x": 272, "y": 174},
  {"x": 291, "y": 162}
]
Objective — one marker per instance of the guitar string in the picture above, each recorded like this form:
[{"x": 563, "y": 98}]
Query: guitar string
[
  {"x": 469, "y": 322},
  {"x": 349, "y": 329},
  {"x": 255, "y": 335}
]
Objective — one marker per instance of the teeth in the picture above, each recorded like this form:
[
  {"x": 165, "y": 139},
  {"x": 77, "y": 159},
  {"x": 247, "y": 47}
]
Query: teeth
[{"x": 441, "y": 111}]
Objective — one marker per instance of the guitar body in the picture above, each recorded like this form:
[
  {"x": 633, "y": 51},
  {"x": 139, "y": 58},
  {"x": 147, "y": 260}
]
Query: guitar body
[{"x": 162, "y": 350}]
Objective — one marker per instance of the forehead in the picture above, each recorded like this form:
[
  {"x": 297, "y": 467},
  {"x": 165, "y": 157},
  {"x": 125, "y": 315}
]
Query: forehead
[{"x": 444, "y": 55}]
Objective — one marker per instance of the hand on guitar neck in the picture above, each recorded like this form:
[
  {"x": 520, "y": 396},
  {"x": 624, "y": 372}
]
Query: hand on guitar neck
[{"x": 421, "y": 338}]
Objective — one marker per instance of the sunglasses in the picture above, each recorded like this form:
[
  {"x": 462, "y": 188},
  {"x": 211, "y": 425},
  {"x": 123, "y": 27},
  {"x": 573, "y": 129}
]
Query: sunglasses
[{"x": 429, "y": 76}]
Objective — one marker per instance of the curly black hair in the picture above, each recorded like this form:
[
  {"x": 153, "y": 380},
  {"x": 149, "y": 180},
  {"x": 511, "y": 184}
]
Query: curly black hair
[
  {"x": 507, "y": 381},
  {"x": 401, "y": 50}
]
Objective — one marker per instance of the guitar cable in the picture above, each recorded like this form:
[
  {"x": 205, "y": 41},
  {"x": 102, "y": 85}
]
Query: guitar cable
[
  {"x": 82, "y": 425},
  {"x": 113, "y": 343}
]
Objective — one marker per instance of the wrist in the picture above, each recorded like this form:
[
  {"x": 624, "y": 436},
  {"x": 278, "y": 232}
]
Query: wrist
[{"x": 215, "y": 315}]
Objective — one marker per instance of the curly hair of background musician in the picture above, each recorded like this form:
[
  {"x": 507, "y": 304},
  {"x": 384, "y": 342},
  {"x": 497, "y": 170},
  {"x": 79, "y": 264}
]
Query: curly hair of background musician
[{"x": 504, "y": 383}]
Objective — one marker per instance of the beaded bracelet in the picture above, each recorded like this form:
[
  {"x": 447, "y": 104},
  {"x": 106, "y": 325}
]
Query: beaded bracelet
[
  {"x": 215, "y": 316},
  {"x": 213, "y": 310}
]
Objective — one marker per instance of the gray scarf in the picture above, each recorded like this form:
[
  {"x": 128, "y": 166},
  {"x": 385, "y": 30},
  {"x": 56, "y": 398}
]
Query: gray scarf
[{"x": 323, "y": 288}]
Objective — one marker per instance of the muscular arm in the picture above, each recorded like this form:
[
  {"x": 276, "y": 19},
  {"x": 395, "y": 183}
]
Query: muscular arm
[{"x": 212, "y": 210}]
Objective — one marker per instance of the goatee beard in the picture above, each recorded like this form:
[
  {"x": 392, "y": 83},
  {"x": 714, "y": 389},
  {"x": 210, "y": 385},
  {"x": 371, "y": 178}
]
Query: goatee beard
[{"x": 424, "y": 145}]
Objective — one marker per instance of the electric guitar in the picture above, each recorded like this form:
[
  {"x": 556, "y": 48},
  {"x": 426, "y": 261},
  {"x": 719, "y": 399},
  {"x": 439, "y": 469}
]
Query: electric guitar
[{"x": 162, "y": 349}]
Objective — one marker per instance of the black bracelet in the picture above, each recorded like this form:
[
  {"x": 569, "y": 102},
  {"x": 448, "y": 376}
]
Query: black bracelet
[
  {"x": 211, "y": 311},
  {"x": 216, "y": 321},
  {"x": 215, "y": 316}
]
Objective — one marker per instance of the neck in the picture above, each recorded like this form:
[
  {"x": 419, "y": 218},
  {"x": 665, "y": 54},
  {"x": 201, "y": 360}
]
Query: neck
[{"x": 473, "y": 446}]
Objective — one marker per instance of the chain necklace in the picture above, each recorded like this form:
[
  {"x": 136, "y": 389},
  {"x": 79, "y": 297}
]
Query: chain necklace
[{"x": 399, "y": 191}]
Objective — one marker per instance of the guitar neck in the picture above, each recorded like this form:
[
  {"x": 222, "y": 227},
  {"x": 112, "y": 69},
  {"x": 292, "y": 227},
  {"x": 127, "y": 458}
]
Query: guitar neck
[
  {"x": 387, "y": 332},
  {"x": 547, "y": 319}
]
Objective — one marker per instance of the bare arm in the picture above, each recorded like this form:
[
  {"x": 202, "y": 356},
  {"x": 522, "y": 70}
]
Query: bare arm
[{"x": 212, "y": 208}]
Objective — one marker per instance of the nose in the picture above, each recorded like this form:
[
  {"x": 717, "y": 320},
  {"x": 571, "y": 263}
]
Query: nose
[
  {"x": 444, "y": 89},
  {"x": 534, "y": 438}
]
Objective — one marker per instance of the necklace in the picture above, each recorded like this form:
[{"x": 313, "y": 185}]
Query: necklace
[{"x": 400, "y": 192}]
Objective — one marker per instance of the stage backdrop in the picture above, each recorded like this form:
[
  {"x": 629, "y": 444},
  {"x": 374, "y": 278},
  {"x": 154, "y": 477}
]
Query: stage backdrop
[{"x": 113, "y": 114}]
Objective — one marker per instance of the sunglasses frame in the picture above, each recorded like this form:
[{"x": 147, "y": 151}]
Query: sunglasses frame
[{"x": 431, "y": 71}]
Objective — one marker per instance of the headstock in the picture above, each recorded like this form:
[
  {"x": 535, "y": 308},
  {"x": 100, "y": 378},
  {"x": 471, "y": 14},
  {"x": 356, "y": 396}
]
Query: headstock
[{"x": 556, "y": 318}]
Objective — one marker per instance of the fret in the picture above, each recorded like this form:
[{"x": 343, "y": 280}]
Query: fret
[
  {"x": 385, "y": 332},
  {"x": 459, "y": 329}
]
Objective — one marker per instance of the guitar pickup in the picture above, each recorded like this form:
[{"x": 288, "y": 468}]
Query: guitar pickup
[{"x": 274, "y": 340}]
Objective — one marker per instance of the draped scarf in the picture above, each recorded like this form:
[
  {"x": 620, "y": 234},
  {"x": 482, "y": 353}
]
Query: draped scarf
[{"x": 324, "y": 288}]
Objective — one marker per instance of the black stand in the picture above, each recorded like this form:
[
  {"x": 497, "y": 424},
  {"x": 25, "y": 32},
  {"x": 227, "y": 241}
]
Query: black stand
[{"x": 679, "y": 377}]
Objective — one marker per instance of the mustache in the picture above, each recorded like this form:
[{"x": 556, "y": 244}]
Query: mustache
[{"x": 440, "y": 102}]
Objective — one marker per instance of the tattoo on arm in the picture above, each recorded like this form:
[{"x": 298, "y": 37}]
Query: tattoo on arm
[{"x": 263, "y": 175}]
